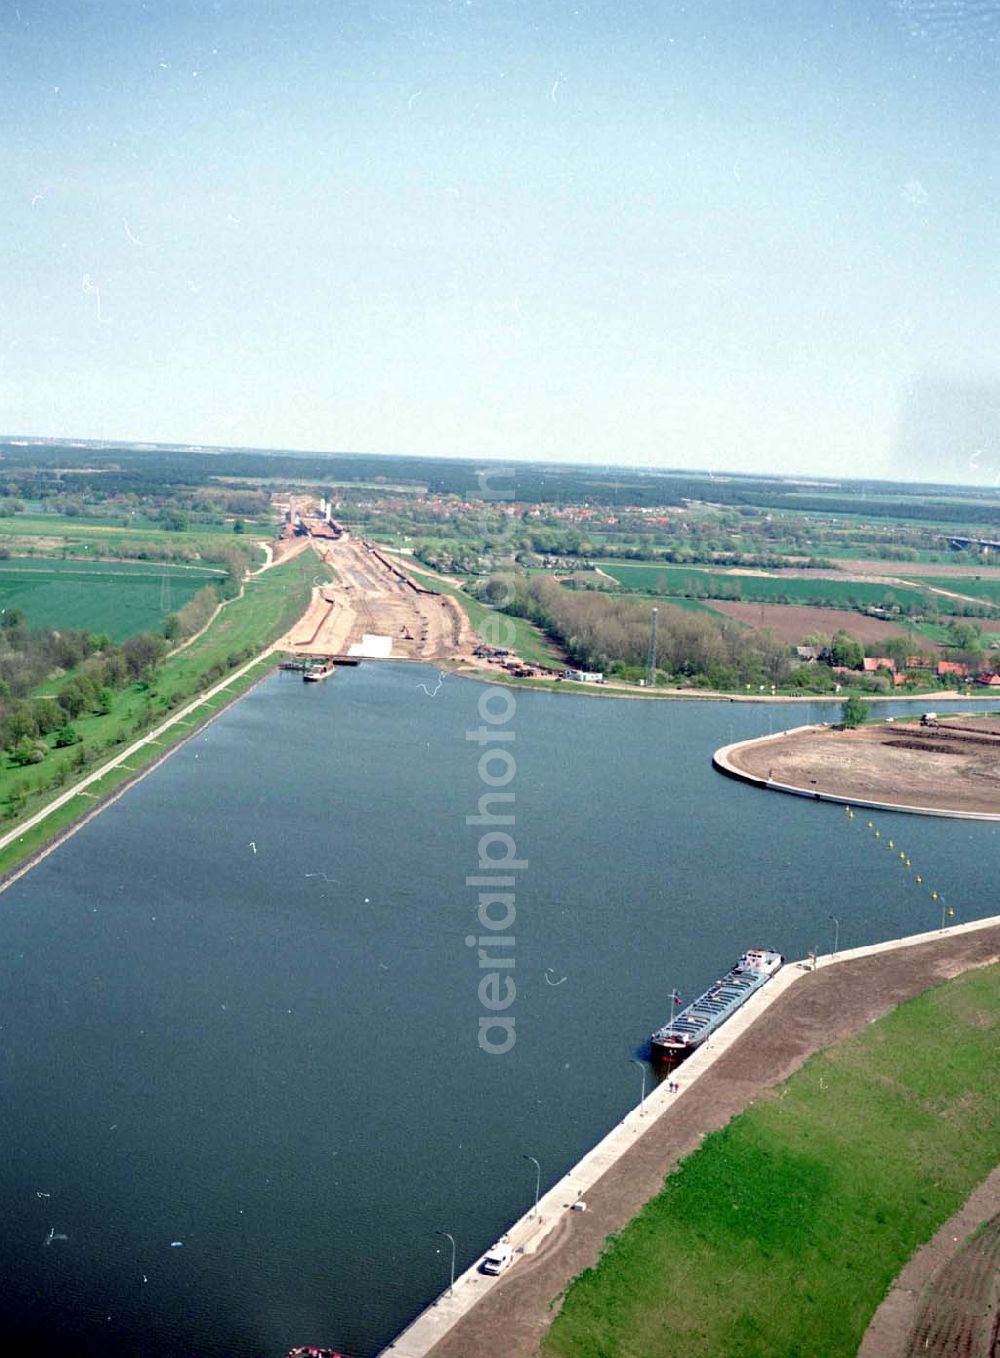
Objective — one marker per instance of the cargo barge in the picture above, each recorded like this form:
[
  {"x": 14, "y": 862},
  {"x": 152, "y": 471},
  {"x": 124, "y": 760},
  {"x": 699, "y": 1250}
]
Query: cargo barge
[
  {"x": 310, "y": 1351},
  {"x": 699, "y": 1020}
]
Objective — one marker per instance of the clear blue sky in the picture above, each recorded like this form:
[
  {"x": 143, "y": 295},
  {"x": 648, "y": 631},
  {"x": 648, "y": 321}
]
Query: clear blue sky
[{"x": 726, "y": 233}]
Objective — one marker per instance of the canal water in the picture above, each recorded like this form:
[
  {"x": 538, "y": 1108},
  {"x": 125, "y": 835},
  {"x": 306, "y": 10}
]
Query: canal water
[{"x": 241, "y": 1082}]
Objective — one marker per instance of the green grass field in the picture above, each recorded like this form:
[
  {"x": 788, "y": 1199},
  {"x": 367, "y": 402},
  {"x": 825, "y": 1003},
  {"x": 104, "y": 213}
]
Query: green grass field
[
  {"x": 688, "y": 605},
  {"x": 80, "y": 528},
  {"x": 987, "y": 590},
  {"x": 119, "y": 598},
  {"x": 271, "y": 603},
  {"x": 692, "y": 581},
  {"x": 782, "y": 1233},
  {"x": 46, "y": 534}
]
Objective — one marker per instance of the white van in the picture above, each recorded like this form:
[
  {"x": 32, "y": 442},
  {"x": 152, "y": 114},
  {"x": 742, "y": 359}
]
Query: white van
[{"x": 500, "y": 1257}]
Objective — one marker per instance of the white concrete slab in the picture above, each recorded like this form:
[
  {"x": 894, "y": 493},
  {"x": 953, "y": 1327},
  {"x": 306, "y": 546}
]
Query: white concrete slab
[{"x": 372, "y": 647}]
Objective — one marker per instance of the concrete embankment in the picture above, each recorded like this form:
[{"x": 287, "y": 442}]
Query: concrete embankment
[
  {"x": 725, "y": 758},
  {"x": 484, "y": 1315}
]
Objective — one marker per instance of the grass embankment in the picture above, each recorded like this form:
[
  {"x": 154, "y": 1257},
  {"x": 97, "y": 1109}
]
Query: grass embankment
[
  {"x": 35, "y": 839},
  {"x": 270, "y": 605},
  {"x": 782, "y": 1233},
  {"x": 529, "y": 642},
  {"x": 113, "y": 597}
]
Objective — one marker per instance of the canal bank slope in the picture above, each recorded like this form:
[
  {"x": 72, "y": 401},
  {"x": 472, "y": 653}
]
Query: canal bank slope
[
  {"x": 950, "y": 767},
  {"x": 246, "y": 625},
  {"x": 799, "y": 1013}
]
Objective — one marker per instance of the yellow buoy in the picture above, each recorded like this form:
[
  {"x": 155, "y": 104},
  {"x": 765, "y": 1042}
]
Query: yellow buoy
[
  {"x": 869, "y": 825},
  {"x": 951, "y": 913},
  {"x": 919, "y": 879},
  {"x": 891, "y": 845},
  {"x": 902, "y": 854},
  {"x": 934, "y": 895},
  {"x": 878, "y": 834}
]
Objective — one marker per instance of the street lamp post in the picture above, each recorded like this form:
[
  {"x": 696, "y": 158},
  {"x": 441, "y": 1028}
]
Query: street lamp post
[
  {"x": 642, "y": 1096},
  {"x": 451, "y": 1285},
  {"x": 836, "y": 934},
  {"x": 538, "y": 1180}
]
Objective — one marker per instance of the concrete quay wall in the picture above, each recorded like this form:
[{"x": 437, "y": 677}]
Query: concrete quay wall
[
  {"x": 530, "y": 1230},
  {"x": 723, "y": 761}
]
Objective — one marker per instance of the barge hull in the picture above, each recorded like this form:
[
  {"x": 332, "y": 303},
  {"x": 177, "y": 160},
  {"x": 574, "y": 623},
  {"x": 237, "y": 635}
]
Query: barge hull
[{"x": 693, "y": 1025}]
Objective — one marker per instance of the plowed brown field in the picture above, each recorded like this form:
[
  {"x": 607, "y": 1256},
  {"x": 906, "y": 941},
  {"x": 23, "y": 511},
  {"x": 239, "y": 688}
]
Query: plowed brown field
[{"x": 794, "y": 622}]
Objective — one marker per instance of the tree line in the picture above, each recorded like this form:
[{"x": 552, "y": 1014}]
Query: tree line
[
  {"x": 612, "y": 634},
  {"x": 602, "y": 632},
  {"x": 28, "y": 655}
]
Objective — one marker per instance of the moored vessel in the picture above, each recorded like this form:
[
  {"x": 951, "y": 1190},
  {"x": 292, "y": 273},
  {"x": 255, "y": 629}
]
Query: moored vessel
[
  {"x": 310, "y": 1351},
  {"x": 699, "y": 1020}
]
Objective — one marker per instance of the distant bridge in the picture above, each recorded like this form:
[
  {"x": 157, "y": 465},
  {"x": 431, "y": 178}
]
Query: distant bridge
[{"x": 962, "y": 544}]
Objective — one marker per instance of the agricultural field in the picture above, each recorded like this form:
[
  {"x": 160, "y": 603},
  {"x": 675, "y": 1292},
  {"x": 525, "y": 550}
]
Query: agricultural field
[
  {"x": 113, "y": 597},
  {"x": 52, "y": 536},
  {"x": 810, "y": 589},
  {"x": 792, "y": 623},
  {"x": 988, "y": 590},
  {"x": 930, "y": 564},
  {"x": 781, "y": 1234},
  {"x": 689, "y": 605},
  {"x": 83, "y": 528}
]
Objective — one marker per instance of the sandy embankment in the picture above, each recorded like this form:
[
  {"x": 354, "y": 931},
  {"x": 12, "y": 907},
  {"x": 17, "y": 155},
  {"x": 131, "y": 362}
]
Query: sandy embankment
[
  {"x": 367, "y": 595},
  {"x": 949, "y": 768}
]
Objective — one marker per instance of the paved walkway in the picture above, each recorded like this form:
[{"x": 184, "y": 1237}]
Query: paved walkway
[{"x": 796, "y": 1014}]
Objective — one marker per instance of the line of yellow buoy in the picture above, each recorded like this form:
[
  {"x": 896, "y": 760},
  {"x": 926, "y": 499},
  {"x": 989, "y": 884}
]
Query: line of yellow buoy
[{"x": 947, "y": 911}]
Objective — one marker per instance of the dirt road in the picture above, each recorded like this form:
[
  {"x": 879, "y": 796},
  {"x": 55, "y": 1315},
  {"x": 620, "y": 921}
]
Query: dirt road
[{"x": 820, "y": 1009}]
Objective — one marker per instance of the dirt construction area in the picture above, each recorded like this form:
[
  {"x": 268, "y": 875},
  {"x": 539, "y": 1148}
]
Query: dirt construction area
[
  {"x": 951, "y": 764},
  {"x": 946, "y": 1301},
  {"x": 370, "y": 596},
  {"x": 821, "y": 1008},
  {"x": 794, "y": 622}
]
